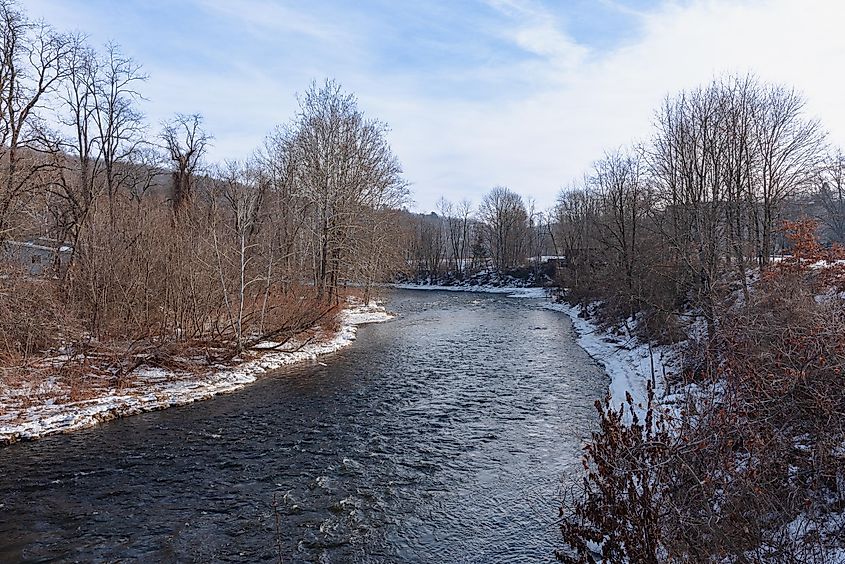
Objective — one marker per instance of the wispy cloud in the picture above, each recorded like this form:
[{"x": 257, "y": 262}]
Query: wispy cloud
[
  {"x": 538, "y": 31},
  {"x": 271, "y": 19},
  {"x": 519, "y": 92}
]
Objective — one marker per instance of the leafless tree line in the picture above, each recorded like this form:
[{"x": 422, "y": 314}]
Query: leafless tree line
[
  {"x": 749, "y": 466},
  {"x": 659, "y": 225},
  {"x": 164, "y": 246},
  {"x": 502, "y": 234}
]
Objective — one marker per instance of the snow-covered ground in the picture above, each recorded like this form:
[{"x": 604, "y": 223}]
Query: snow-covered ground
[
  {"x": 629, "y": 363},
  {"x": 156, "y": 388},
  {"x": 511, "y": 291}
]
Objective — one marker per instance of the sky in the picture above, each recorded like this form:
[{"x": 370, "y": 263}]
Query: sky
[{"x": 477, "y": 93}]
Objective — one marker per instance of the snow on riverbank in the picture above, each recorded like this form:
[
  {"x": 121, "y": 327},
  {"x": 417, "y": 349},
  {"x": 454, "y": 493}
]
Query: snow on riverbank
[
  {"x": 156, "y": 388},
  {"x": 629, "y": 363},
  {"x": 510, "y": 291}
]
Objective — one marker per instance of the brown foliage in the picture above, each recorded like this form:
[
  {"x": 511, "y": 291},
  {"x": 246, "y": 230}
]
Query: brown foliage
[
  {"x": 758, "y": 442},
  {"x": 619, "y": 510},
  {"x": 34, "y": 315},
  {"x": 825, "y": 267}
]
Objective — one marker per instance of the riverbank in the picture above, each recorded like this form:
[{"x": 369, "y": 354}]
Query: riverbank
[
  {"x": 753, "y": 432},
  {"x": 29, "y": 412},
  {"x": 629, "y": 362},
  {"x": 482, "y": 281},
  {"x": 509, "y": 291}
]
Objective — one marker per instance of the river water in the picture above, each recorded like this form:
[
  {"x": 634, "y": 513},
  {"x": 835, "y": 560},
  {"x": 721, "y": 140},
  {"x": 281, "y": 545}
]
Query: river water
[{"x": 444, "y": 435}]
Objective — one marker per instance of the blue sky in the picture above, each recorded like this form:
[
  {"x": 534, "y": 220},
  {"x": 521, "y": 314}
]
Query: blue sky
[{"x": 525, "y": 93}]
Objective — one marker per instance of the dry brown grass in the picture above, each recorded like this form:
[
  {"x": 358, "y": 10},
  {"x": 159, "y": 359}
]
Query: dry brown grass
[{"x": 34, "y": 318}]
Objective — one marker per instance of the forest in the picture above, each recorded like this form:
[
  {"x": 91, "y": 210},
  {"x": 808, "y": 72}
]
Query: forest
[
  {"x": 721, "y": 234},
  {"x": 146, "y": 244}
]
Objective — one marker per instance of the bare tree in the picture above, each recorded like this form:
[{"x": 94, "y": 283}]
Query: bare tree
[
  {"x": 832, "y": 195},
  {"x": 33, "y": 65},
  {"x": 279, "y": 160},
  {"x": 463, "y": 230},
  {"x": 503, "y": 213},
  {"x": 789, "y": 146},
  {"x": 120, "y": 126},
  {"x": 345, "y": 165},
  {"x": 724, "y": 161},
  {"x": 186, "y": 142},
  {"x": 621, "y": 191},
  {"x": 242, "y": 194},
  {"x": 431, "y": 245},
  {"x": 452, "y": 231},
  {"x": 106, "y": 133}
]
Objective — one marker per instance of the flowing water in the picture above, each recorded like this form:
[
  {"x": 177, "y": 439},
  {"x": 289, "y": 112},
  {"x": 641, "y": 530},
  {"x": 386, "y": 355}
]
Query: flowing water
[{"x": 444, "y": 435}]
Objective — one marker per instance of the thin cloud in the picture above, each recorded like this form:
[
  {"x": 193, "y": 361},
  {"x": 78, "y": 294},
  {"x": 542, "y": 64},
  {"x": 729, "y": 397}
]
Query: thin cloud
[
  {"x": 476, "y": 94},
  {"x": 266, "y": 17}
]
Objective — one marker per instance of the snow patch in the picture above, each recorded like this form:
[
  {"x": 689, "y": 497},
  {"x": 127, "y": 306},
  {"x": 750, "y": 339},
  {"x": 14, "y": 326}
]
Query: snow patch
[
  {"x": 629, "y": 363},
  {"x": 510, "y": 291},
  {"x": 157, "y": 388}
]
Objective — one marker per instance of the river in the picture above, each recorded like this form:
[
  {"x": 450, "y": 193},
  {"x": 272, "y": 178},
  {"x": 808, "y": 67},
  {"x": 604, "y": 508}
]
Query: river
[{"x": 444, "y": 435}]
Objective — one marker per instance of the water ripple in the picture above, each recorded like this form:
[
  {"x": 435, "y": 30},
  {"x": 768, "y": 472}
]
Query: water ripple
[{"x": 441, "y": 436}]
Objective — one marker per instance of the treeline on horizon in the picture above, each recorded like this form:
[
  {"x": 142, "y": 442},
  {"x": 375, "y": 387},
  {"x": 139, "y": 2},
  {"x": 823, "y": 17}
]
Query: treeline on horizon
[
  {"x": 727, "y": 165},
  {"x": 500, "y": 236},
  {"x": 658, "y": 222},
  {"x": 154, "y": 244}
]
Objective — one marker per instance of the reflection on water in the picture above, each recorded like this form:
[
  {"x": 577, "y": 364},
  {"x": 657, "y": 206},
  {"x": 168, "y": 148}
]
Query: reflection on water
[{"x": 441, "y": 436}]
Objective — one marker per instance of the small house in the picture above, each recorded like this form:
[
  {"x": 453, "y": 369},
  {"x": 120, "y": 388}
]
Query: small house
[
  {"x": 39, "y": 256},
  {"x": 551, "y": 261}
]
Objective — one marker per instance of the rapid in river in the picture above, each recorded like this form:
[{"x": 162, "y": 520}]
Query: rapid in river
[{"x": 445, "y": 435}]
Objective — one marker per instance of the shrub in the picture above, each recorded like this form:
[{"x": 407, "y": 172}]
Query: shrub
[{"x": 35, "y": 317}]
